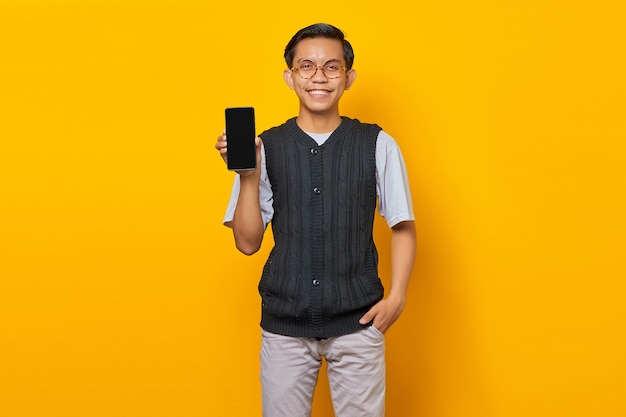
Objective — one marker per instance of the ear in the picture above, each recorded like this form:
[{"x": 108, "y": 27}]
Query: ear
[
  {"x": 288, "y": 77},
  {"x": 350, "y": 77}
]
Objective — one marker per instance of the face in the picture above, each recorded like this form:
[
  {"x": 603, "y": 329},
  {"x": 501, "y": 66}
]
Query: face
[{"x": 319, "y": 94}]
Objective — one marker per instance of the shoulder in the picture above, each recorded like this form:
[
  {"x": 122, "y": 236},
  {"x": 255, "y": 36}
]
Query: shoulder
[
  {"x": 367, "y": 131},
  {"x": 275, "y": 131},
  {"x": 383, "y": 139},
  {"x": 386, "y": 141},
  {"x": 357, "y": 124}
]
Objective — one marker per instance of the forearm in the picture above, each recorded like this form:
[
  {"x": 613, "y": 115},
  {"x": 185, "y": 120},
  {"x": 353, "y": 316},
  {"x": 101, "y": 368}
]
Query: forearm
[
  {"x": 403, "y": 246},
  {"x": 387, "y": 311},
  {"x": 247, "y": 224}
]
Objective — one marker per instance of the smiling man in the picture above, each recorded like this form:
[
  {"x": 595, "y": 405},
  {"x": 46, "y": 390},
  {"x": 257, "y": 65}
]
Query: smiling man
[{"x": 319, "y": 179}]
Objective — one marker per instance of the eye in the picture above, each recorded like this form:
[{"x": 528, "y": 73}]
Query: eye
[
  {"x": 306, "y": 66},
  {"x": 331, "y": 67}
]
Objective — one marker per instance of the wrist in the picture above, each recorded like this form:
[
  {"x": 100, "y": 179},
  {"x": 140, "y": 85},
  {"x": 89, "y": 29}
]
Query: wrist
[
  {"x": 397, "y": 296},
  {"x": 252, "y": 176}
]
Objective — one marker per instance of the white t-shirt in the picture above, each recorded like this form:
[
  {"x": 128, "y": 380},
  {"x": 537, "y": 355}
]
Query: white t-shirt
[{"x": 392, "y": 184}]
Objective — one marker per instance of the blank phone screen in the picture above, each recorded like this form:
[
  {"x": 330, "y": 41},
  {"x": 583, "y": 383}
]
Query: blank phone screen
[{"x": 240, "y": 134}]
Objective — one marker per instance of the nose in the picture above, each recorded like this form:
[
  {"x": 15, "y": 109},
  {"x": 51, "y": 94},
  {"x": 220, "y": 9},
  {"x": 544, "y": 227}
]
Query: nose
[{"x": 319, "y": 75}]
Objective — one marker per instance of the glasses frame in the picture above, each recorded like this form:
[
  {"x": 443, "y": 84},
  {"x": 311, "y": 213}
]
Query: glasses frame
[{"x": 318, "y": 67}]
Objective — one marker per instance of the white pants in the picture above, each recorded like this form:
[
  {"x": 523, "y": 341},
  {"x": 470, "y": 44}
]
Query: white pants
[{"x": 355, "y": 367}]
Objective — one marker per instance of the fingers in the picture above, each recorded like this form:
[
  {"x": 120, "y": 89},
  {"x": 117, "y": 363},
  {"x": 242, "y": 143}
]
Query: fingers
[
  {"x": 377, "y": 318},
  {"x": 221, "y": 144},
  {"x": 368, "y": 317},
  {"x": 382, "y": 315}
]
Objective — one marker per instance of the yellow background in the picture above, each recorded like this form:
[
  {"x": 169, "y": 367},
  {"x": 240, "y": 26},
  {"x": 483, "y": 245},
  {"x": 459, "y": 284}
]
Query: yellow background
[{"x": 122, "y": 295}]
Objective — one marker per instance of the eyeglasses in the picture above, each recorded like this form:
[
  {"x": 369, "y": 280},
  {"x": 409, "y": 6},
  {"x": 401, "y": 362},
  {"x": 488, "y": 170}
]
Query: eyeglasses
[{"x": 307, "y": 69}]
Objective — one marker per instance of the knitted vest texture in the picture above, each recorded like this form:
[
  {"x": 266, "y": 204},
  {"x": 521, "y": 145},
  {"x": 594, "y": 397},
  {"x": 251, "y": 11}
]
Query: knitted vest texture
[{"x": 322, "y": 274}]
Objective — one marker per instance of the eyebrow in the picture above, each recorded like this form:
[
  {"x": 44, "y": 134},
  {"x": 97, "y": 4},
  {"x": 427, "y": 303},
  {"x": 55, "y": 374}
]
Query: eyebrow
[{"x": 325, "y": 62}]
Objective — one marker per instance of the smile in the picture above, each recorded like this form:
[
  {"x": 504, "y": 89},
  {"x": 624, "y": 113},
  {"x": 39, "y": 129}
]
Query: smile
[{"x": 318, "y": 93}]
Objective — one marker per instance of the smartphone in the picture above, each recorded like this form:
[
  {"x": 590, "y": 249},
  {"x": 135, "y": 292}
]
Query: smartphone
[{"x": 240, "y": 135}]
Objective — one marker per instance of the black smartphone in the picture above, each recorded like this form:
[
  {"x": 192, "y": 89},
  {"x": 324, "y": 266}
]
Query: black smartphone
[{"x": 240, "y": 134}]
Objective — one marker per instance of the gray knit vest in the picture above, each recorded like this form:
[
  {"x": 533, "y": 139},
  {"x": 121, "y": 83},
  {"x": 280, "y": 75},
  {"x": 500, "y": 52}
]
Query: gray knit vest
[{"x": 322, "y": 274}]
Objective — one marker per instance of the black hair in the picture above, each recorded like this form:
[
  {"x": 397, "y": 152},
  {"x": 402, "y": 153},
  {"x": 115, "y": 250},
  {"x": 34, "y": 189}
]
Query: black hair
[{"x": 319, "y": 30}]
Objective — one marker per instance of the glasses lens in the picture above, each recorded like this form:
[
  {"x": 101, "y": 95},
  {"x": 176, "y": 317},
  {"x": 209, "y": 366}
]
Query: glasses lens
[
  {"x": 332, "y": 70},
  {"x": 306, "y": 69}
]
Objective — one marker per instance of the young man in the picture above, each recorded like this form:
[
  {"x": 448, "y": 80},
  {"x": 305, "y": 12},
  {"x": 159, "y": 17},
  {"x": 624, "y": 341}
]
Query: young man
[{"x": 318, "y": 179}]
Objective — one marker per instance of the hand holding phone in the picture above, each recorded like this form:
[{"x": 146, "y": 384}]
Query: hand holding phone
[{"x": 240, "y": 136}]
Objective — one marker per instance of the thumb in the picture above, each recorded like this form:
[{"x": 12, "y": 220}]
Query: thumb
[{"x": 367, "y": 317}]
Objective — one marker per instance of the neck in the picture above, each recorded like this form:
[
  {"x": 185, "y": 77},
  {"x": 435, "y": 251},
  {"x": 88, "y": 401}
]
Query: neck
[{"x": 318, "y": 123}]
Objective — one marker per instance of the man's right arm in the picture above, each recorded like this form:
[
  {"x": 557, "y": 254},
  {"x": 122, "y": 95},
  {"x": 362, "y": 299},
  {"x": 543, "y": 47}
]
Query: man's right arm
[{"x": 247, "y": 223}]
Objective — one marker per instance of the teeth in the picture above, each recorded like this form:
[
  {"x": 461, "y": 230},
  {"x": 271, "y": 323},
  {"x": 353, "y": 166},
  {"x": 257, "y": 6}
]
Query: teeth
[{"x": 318, "y": 92}]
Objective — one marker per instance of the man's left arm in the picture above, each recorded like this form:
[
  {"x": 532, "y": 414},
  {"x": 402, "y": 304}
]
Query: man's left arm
[{"x": 403, "y": 246}]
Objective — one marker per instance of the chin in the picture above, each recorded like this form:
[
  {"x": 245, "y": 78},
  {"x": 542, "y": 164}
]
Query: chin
[{"x": 319, "y": 111}]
